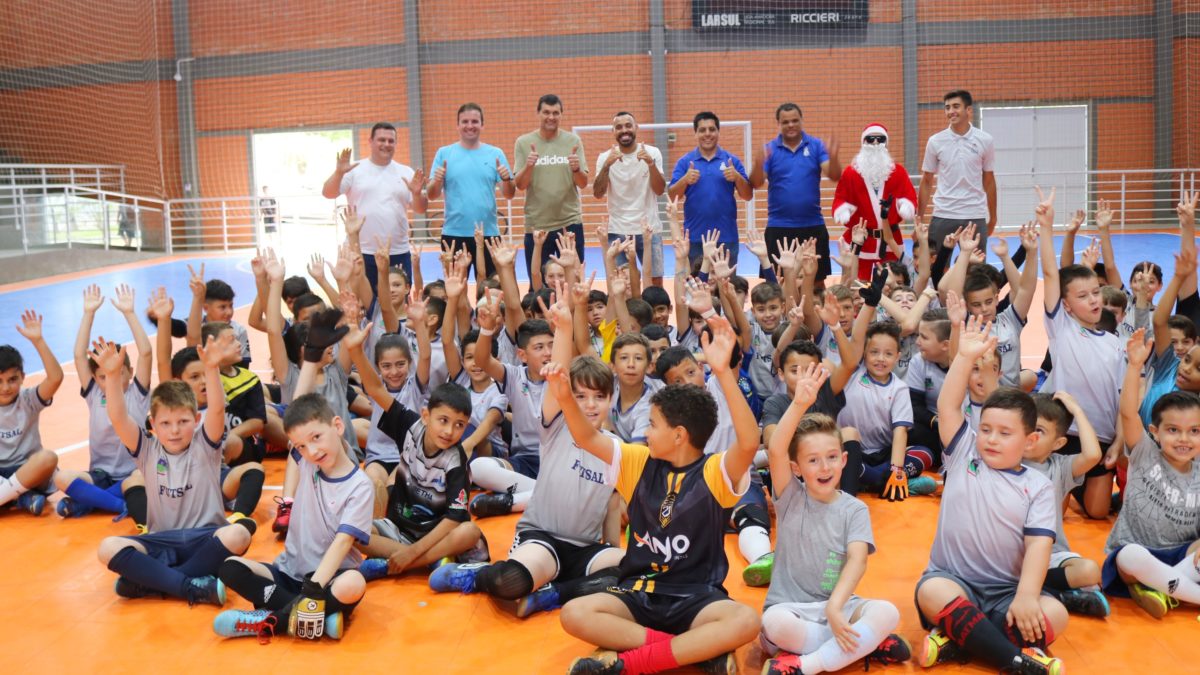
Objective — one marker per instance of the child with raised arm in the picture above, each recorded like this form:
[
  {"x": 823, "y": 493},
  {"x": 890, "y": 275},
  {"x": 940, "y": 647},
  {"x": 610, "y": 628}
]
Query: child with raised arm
[
  {"x": 213, "y": 301},
  {"x": 181, "y": 464},
  {"x": 1153, "y": 551},
  {"x": 812, "y": 620},
  {"x": 1087, "y": 362},
  {"x": 25, "y": 466},
  {"x": 313, "y": 586},
  {"x": 982, "y": 590},
  {"x": 669, "y": 607},
  {"x": 110, "y": 469}
]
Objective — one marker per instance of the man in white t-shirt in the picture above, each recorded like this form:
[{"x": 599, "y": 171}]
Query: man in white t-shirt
[
  {"x": 382, "y": 190},
  {"x": 630, "y": 175},
  {"x": 963, "y": 158}
]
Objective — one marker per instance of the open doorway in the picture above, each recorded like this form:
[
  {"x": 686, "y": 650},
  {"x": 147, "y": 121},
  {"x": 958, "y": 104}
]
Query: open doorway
[{"x": 292, "y": 166}]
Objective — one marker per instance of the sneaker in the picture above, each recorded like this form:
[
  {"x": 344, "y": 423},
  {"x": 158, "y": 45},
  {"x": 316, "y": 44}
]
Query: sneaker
[
  {"x": 492, "y": 504},
  {"x": 32, "y": 502},
  {"x": 448, "y": 560},
  {"x": 937, "y": 648},
  {"x": 541, "y": 600},
  {"x": 784, "y": 664},
  {"x": 283, "y": 516},
  {"x": 758, "y": 573},
  {"x": 206, "y": 590},
  {"x": 893, "y": 649},
  {"x": 1034, "y": 661},
  {"x": 922, "y": 485},
  {"x": 374, "y": 568},
  {"x": 455, "y": 577},
  {"x": 1086, "y": 602},
  {"x": 599, "y": 662},
  {"x": 260, "y": 623},
  {"x": 128, "y": 589},
  {"x": 1156, "y": 603},
  {"x": 722, "y": 664},
  {"x": 69, "y": 508}
]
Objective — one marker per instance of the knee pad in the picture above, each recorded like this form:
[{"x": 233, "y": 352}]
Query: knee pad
[
  {"x": 507, "y": 580},
  {"x": 751, "y": 514}
]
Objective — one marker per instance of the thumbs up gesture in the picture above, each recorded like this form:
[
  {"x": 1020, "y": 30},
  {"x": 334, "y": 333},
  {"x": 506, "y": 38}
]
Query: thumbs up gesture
[
  {"x": 573, "y": 160},
  {"x": 692, "y": 175},
  {"x": 643, "y": 155},
  {"x": 532, "y": 158},
  {"x": 729, "y": 172},
  {"x": 439, "y": 174},
  {"x": 502, "y": 170}
]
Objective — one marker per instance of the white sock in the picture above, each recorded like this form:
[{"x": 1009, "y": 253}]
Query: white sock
[
  {"x": 754, "y": 542},
  {"x": 1188, "y": 568},
  {"x": 520, "y": 499},
  {"x": 879, "y": 619},
  {"x": 1138, "y": 562},
  {"x": 760, "y": 459},
  {"x": 10, "y": 489},
  {"x": 489, "y": 473},
  {"x": 791, "y": 633}
]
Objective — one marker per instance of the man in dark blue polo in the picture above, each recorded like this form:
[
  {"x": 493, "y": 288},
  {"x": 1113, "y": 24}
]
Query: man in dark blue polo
[
  {"x": 791, "y": 164},
  {"x": 707, "y": 177}
]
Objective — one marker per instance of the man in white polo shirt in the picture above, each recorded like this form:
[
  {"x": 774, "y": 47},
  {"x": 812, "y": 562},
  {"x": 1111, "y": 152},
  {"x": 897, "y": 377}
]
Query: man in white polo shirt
[
  {"x": 630, "y": 175},
  {"x": 382, "y": 190},
  {"x": 963, "y": 158}
]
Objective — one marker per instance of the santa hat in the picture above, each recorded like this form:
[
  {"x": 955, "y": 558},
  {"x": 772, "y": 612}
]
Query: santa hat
[{"x": 874, "y": 130}]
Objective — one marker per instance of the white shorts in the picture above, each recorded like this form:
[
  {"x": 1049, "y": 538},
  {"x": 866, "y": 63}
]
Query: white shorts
[
  {"x": 809, "y": 612},
  {"x": 1057, "y": 558}
]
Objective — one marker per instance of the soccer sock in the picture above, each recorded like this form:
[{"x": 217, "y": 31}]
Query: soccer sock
[
  {"x": 89, "y": 495},
  {"x": 792, "y": 634},
  {"x": 653, "y": 636},
  {"x": 1140, "y": 563},
  {"x": 1056, "y": 579},
  {"x": 760, "y": 459},
  {"x": 143, "y": 570},
  {"x": 853, "y": 469},
  {"x": 754, "y": 542},
  {"x": 879, "y": 619},
  {"x": 135, "y": 504},
  {"x": 652, "y": 657},
  {"x": 968, "y": 628},
  {"x": 1014, "y": 634},
  {"x": 586, "y": 585},
  {"x": 10, "y": 489},
  {"x": 874, "y": 477},
  {"x": 249, "y": 492},
  {"x": 507, "y": 580},
  {"x": 490, "y": 474},
  {"x": 916, "y": 460},
  {"x": 207, "y": 559},
  {"x": 520, "y": 499},
  {"x": 260, "y": 591}
]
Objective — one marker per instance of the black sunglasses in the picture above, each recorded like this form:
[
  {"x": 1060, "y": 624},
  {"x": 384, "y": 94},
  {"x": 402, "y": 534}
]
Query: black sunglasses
[{"x": 875, "y": 140}]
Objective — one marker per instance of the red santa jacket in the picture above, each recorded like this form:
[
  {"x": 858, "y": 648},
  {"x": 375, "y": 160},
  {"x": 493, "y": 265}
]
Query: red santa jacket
[{"x": 853, "y": 200}]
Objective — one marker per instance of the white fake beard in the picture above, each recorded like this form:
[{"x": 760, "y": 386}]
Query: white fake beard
[{"x": 874, "y": 163}]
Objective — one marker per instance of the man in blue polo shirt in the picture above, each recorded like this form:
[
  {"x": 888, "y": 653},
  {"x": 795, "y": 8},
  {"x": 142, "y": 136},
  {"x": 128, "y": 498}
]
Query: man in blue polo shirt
[
  {"x": 791, "y": 164},
  {"x": 707, "y": 177},
  {"x": 468, "y": 172}
]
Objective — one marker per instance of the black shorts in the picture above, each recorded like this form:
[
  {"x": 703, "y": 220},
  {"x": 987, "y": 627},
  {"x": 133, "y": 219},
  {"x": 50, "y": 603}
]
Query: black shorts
[
  {"x": 292, "y": 586},
  {"x": 1189, "y": 307},
  {"x": 1074, "y": 448},
  {"x": 175, "y": 547},
  {"x": 772, "y": 237},
  {"x": 573, "y": 560},
  {"x": 389, "y": 467},
  {"x": 668, "y": 613}
]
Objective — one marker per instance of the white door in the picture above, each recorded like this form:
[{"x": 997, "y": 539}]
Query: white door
[{"x": 1044, "y": 146}]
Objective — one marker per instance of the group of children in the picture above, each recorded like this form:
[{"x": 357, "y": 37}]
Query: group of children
[{"x": 631, "y": 447}]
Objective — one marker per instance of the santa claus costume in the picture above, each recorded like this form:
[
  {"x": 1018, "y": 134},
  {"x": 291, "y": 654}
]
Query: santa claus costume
[{"x": 877, "y": 189}]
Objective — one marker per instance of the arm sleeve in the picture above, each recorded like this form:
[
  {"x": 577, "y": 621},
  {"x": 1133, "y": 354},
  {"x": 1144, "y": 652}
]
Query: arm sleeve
[
  {"x": 720, "y": 483},
  {"x": 902, "y": 408},
  {"x": 457, "y": 489},
  {"x": 628, "y": 463},
  {"x": 930, "y": 165},
  {"x": 396, "y": 421},
  {"x": 1040, "y": 519}
]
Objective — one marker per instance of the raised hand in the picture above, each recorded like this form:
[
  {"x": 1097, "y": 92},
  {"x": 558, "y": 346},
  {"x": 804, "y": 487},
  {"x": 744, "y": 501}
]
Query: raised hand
[
  {"x": 581, "y": 290},
  {"x": 1076, "y": 221},
  {"x": 502, "y": 171},
  {"x": 692, "y": 175},
  {"x": 1091, "y": 255},
  {"x": 219, "y": 349},
  {"x": 644, "y": 156},
  {"x": 1138, "y": 349},
  {"x": 921, "y": 231},
  {"x": 92, "y": 299},
  {"x": 567, "y": 256},
  {"x": 196, "y": 281},
  {"x": 345, "y": 264},
  {"x": 417, "y": 182},
  {"x": 808, "y": 384},
  {"x": 697, "y": 296},
  {"x": 795, "y": 315},
  {"x": 1045, "y": 207},
  {"x": 123, "y": 299},
  {"x": 573, "y": 159},
  {"x": 559, "y": 379},
  {"x": 968, "y": 241},
  {"x": 719, "y": 349},
  {"x": 1000, "y": 247},
  {"x": 31, "y": 325},
  {"x": 614, "y": 156},
  {"x": 720, "y": 264},
  {"x": 829, "y": 311},
  {"x": 383, "y": 250},
  {"x": 344, "y": 165},
  {"x": 351, "y": 220},
  {"x": 559, "y": 311},
  {"x": 976, "y": 338},
  {"x": 502, "y": 254},
  {"x": 808, "y": 260},
  {"x": 273, "y": 266},
  {"x": 708, "y": 242},
  {"x": 955, "y": 308},
  {"x": 355, "y": 336},
  {"x": 532, "y": 158},
  {"x": 787, "y": 256},
  {"x": 1029, "y": 237},
  {"x": 256, "y": 267},
  {"x": 487, "y": 310},
  {"x": 350, "y": 306},
  {"x": 950, "y": 240},
  {"x": 731, "y": 174},
  {"x": 416, "y": 308},
  {"x": 108, "y": 356},
  {"x": 439, "y": 174},
  {"x": 161, "y": 304},
  {"x": 1186, "y": 208},
  {"x": 539, "y": 238},
  {"x": 1104, "y": 215},
  {"x": 456, "y": 280},
  {"x": 316, "y": 267},
  {"x": 756, "y": 244},
  {"x": 858, "y": 233}
]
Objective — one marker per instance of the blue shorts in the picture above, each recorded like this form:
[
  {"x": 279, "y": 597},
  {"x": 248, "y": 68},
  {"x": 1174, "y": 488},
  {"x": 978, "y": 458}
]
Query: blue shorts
[
  {"x": 1110, "y": 577},
  {"x": 526, "y": 463},
  {"x": 45, "y": 488},
  {"x": 175, "y": 547},
  {"x": 106, "y": 481}
]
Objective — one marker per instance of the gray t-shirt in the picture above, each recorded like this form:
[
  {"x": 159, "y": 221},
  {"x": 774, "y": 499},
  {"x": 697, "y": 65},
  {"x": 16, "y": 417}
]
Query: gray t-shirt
[
  {"x": 525, "y": 399},
  {"x": 1007, "y": 328},
  {"x": 1091, "y": 365},
  {"x": 1058, "y": 468},
  {"x": 573, "y": 487},
  {"x": 813, "y": 539},
  {"x": 105, "y": 449},
  {"x": 323, "y": 508},
  {"x": 19, "y": 435},
  {"x": 926, "y": 378},
  {"x": 182, "y": 490},
  {"x": 762, "y": 372},
  {"x": 986, "y": 514},
  {"x": 1161, "y": 509},
  {"x": 334, "y": 389},
  {"x": 724, "y": 435},
  {"x": 875, "y": 409},
  {"x": 482, "y": 402},
  {"x": 380, "y": 446},
  {"x": 630, "y": 424}
]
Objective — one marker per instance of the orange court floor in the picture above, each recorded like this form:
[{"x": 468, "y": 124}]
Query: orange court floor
[{"x": 62, "y": 614}]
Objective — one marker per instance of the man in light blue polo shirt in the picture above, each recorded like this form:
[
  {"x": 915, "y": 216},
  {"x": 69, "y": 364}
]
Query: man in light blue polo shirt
[
  {"x": 791, "y": 165},
  {"x": 707, "y": 177},
  {"x": 467, "y": 173}
]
